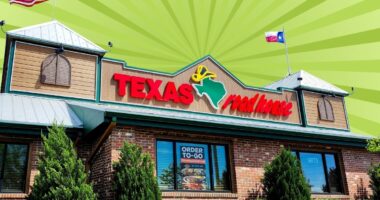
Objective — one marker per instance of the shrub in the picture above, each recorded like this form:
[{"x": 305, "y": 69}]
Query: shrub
[
  {"x": 61, "y": 174},
  {"x": 283, "y": 179},
  {"x": 134, "y": 175}
]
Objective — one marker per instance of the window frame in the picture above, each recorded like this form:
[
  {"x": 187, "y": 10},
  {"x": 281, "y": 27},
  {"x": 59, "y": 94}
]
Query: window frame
[
  {"x": 25, "y": 168},
  {"x": 337, "y": 164},
  {"x": 211, "y": 168}
]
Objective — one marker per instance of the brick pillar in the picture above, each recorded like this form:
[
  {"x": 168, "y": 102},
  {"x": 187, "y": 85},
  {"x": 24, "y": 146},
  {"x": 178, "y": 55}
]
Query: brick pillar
[
  {"x": 101, "y": 172},
  {"x": 249, "y": 158},
  {"x": 34, "y": 152}
]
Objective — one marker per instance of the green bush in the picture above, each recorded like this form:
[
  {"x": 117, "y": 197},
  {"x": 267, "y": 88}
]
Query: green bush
[
  {"x": 134, "y": 175},
  {"x": 373, "y": 145},
  {"x": 374, "y": 175},
  {"x": 61, "y": 174},
  {"x": 283, "y": 179},
  {"x": 374, "y": 171}
]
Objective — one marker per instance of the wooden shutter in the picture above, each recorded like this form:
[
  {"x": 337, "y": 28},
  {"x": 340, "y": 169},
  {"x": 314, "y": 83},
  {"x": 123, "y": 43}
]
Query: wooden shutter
[
  {"x": 63, "y": 71},
  {"x": 325, "y": 109},
  {"x": 49, "y": 69},
  {"x": 56, "y": 70}
]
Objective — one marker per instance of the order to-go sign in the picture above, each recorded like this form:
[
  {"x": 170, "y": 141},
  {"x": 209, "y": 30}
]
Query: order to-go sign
[
  {"x": 192, "y": 152},
  {"x": 193, "y": 168},
  {"x": 192, "y": 155}
]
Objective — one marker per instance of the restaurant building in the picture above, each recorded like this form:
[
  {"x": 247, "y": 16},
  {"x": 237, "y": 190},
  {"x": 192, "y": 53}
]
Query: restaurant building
[{"x": 208, "y": 133}]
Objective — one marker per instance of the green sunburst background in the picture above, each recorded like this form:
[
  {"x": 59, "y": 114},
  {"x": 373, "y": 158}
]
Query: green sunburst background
[{"x": 337, "y": 41}]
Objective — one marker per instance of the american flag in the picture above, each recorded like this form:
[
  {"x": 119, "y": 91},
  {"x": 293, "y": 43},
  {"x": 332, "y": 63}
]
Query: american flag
[{"x": 27, "y": 3}]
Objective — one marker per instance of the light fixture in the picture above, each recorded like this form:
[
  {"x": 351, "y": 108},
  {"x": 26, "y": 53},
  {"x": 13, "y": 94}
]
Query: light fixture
[
  {"x": 110, "y": 44},
  {"x": 60, "y": 50}
]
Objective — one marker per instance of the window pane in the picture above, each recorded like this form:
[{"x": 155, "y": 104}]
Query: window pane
[
  {"x": 193, "y": 167},
  {"x": 219, "y": 162},
  {"x": 165, "y": 171},
  {"x": 333, "y": 174},
  {"x": 14, "y": 168},
  {"x": 313, "y": 170}
]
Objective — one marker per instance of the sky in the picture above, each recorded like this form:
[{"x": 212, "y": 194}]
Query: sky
[{"x": 337, "y": 41}]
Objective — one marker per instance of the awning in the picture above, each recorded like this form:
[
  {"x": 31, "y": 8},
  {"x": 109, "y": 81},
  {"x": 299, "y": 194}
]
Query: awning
[{"x": 36, "y": 111}]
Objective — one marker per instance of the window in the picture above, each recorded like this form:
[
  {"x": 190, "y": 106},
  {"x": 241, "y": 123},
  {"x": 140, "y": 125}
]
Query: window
[
  {"x": 325, "y": 109},
  {"x": 321, "y": 171},
  {"x": 192, "y": 166},
  {"x": 13, "y": 163},
  {"x": 56, "y": 70}
]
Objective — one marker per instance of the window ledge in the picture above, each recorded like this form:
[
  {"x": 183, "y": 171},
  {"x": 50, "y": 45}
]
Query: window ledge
[
  {"x": 330, "y": 196},
  {"x": 202, "y": 195},
  {"x": 13, "y": 195}
]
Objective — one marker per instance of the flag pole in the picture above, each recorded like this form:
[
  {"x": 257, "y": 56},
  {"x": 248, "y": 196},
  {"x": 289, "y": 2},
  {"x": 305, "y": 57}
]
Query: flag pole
[
  {"x": 286, "y": 52},
  {"x": 53, "y": 9}
]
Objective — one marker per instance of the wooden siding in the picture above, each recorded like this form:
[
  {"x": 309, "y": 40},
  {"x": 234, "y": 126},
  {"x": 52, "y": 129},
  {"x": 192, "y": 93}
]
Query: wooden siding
[
  {"x": 27, "y": 69},
  {"x": 200, "y": 104},
  {"x": 312, "y": 114}
]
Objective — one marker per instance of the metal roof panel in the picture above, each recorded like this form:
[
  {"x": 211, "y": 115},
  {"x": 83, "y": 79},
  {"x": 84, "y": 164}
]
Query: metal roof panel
[
  {"x": 303, "y": 79},
  {"x": 56, "y": 32},
  {"x": 30, "y": 110}
]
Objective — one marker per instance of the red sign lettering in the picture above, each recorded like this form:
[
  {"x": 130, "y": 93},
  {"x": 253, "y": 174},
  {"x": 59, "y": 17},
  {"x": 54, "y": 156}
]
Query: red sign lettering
[
  {"x": 264, "y": 106},
  {"x": 146, "y": 88}
]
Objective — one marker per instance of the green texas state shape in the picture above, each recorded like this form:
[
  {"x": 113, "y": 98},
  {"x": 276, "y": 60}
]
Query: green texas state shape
[{"x": 214, "y": 91}]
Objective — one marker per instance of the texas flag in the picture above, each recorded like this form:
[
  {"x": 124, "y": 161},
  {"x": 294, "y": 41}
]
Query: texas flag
[
  {"x": 27, "y": 3},
  {"x": 275, "y": 37}
]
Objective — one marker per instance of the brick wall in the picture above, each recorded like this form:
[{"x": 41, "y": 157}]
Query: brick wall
[
  {"x": 101, "y": 171},
  {"x": 356, "y": 163},
  {"x": 248, "y": 155}
]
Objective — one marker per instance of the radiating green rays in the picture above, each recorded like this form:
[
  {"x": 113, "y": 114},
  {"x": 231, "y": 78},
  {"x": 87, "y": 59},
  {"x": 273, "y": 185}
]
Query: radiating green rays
[{"x": 334, "y": 40}]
